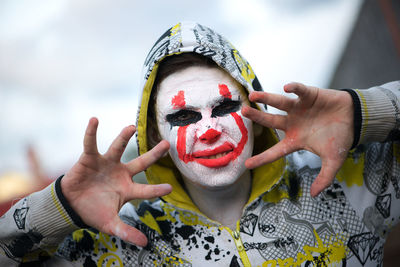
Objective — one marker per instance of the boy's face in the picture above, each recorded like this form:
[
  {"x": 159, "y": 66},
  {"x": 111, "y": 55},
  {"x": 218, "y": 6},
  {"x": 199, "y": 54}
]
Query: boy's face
[{"x": 198, "y": 112}]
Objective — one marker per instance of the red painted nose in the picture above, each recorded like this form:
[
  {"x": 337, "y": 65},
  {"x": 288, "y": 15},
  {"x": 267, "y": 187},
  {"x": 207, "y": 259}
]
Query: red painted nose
[{"x": 210, "y": 136}]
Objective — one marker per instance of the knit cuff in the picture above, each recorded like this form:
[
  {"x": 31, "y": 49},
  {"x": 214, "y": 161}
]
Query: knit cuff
[
  {"x": 375, "y": 112},
  {"x": 51, "y": 215},
  {"x": 356, "y": 118}
]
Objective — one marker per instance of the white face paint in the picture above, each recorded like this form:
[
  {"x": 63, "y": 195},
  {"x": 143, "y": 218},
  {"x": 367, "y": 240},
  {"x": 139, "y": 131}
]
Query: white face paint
[{"x": 198, "y": 112}]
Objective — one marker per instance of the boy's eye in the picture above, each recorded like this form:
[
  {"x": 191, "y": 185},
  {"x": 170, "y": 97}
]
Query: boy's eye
[
  {"x": 183, "y": 117},
  {"x": 226, "y": 107}
]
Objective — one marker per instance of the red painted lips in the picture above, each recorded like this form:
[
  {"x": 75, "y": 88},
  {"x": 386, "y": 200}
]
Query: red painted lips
[{"x": 214, "y": 158}]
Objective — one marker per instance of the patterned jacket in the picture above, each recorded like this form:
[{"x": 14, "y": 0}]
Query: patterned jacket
[{"x": 281, "y": 224}]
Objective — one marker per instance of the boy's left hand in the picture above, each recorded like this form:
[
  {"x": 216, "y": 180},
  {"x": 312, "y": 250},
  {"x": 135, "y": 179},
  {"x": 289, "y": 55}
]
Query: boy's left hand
[{"x": 319, "y": 120}]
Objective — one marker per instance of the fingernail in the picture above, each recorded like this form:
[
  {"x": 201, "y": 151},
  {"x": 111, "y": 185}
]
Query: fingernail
[
  {"x": 248, "y": 164},
  {"x": 165, "y": 187},
  {"x": 142, "y": 242},
  {"x": 314, "y": 193},
  {"x": 252, "y": 96}
]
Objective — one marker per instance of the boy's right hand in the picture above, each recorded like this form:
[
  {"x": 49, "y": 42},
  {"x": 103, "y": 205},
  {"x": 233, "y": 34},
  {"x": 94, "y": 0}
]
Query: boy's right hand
[{"x": 97, "y": 186}]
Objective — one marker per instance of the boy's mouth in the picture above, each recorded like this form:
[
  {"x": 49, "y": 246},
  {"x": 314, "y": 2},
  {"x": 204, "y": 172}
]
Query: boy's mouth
[
  {"x": 215, "y": 158},
  {"x": 216, "y": 152}
]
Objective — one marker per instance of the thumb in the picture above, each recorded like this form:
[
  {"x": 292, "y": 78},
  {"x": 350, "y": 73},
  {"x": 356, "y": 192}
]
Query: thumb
[
  {"x": 324, "y": 178},
  {"x": 127, "y": 233}
]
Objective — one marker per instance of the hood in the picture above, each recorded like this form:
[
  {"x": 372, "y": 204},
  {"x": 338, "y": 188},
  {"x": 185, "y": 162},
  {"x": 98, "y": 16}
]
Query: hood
[{"x": 192, "y": 37}]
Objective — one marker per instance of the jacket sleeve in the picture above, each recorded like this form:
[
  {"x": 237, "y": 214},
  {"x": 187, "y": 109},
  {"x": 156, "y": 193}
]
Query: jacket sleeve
[
  {"x": 34, "y": 227},
  {"x": 376, "y": 113},
  {"x": 370, "y": 176}
]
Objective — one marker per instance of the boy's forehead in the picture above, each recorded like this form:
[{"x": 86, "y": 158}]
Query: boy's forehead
[{"x": 196, "y": 86}]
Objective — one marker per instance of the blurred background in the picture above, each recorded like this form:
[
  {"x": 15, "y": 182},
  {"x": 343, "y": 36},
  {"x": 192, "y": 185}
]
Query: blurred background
[{"x": 62, "y": 62}]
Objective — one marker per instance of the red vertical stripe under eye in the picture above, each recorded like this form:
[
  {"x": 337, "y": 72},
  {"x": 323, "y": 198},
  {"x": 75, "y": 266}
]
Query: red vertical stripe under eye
[
  {"x": 181, "y": 143},
  {"x": 239, "y": 121},
  {"x": 224, "y": 91}
]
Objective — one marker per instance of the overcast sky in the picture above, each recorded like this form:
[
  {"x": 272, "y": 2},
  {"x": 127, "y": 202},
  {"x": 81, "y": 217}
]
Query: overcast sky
[{"x": 63, "y": 61}]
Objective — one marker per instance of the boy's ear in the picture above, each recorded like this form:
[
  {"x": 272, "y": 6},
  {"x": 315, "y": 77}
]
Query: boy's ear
[{"x": 257, "y": 129}]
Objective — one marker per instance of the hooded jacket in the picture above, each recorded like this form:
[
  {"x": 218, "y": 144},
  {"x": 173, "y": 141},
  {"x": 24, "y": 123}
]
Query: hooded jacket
[{"x": 281, "y": 224}]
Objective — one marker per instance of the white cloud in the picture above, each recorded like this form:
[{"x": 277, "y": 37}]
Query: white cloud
[{"x": 23, "y": 18}]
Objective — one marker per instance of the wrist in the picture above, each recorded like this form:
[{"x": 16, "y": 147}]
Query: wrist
[{"x": 66, "y": 204}]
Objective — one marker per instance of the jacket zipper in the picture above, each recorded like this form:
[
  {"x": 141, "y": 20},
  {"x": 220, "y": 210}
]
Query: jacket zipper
[{"x": 239, "y": 245}]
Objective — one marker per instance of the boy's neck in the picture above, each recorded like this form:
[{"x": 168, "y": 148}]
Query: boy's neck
[{"x": 224, "y": 205}]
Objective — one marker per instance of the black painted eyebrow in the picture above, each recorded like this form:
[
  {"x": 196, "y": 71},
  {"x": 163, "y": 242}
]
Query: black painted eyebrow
[
  {"x": 183, "y": 117},
  {"x": 226, "y": 106}
]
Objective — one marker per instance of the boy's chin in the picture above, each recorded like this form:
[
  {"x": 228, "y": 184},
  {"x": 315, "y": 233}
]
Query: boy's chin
[
  {"x": 213, "y": 179},
  {"x": 213, "y": 184}
]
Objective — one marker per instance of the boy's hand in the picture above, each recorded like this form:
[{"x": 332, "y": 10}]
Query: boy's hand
[
  {"x": 98, "y": 185},
  {"x": 319, "y": 120}
]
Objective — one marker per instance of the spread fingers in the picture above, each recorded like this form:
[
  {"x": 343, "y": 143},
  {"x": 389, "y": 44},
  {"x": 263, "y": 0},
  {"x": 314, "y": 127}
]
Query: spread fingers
[{"x": 118, "y": 146}]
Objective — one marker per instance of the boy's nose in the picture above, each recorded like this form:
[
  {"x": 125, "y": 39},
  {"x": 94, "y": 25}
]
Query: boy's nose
[{"x": 210, "y": 136}]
